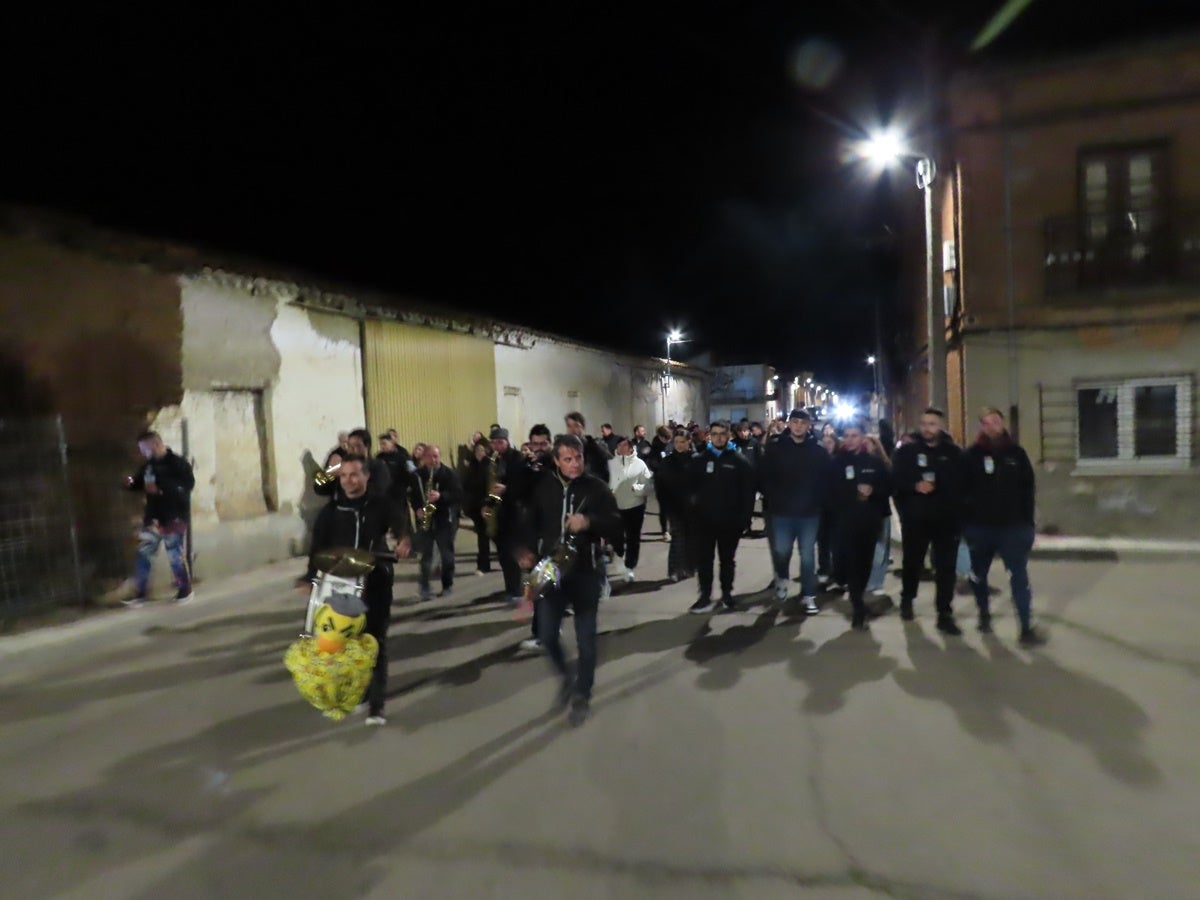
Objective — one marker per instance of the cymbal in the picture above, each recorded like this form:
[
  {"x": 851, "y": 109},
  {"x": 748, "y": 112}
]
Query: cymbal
[{"x": 347, "y": 562}]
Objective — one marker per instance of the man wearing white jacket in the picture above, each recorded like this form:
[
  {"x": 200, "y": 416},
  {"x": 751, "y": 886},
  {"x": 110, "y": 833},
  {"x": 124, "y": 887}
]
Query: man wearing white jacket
[{"x": 628, "y": 478}]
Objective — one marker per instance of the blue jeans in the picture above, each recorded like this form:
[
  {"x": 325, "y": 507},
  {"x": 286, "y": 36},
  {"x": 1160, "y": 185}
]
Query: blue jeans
[
  {"x": 1012, "y": 543},
  {"x": 788, "y": 530},
  {"x": 582, "y": 591},
  {"x": 172, "y": 535},
  {"x": 883, "y": 556}
]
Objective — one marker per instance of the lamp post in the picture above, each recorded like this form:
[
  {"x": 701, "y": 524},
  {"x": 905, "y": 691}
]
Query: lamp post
[
  {"x": 673, "y": 337},
  {"x": 873, "y": 363},
  {"x": 886, "y": 147}
]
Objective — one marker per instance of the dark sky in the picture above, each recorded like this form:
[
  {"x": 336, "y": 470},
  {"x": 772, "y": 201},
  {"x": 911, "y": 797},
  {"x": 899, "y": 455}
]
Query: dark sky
[{"x": 602, "y": 171}]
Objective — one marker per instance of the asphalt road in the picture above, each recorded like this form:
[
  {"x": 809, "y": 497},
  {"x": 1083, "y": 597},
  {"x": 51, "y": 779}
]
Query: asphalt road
[{"x": 756, "y": 754}]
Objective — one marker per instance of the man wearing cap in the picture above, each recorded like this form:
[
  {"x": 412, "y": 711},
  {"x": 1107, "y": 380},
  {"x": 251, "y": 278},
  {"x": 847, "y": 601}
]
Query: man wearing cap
[
  {"x": 512, "y": 482},
  {"x": 794, "y": 478}
]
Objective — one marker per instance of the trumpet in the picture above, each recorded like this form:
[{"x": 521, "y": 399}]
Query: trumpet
[
  {"x": 425, "y": 518},
  {"x": 326, "y": 476},
  {"x": 491, "y": 505}
]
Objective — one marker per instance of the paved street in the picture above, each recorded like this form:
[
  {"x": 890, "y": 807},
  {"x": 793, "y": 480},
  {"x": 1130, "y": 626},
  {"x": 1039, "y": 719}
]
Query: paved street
[{"x": 165, "y": 753}]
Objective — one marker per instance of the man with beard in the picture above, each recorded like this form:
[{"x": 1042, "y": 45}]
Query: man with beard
[
  {"x": 928, "y": 478},
  {"x": 571, "y": 505},
  {"x": 541, "y": 465},
  {"x": 999, "y": 518}
]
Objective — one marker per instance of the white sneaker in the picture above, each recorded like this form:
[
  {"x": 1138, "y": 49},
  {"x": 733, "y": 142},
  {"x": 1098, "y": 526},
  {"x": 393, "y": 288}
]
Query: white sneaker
[
  {"x": 376, "y": 720},
  {"x": 631, "y": 576},
  {"x": 810, "y": 606},
  {"x": 879, "y": 592},
  {"x": 605, "y": 590},
  {"x": 781, "y": 589},
  {"x": 531, "y": 645}
]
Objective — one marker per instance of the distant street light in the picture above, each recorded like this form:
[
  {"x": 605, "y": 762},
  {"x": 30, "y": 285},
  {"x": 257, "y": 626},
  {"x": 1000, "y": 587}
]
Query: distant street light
[
  {"x": 884, "y": 148},
  {"x": 673, "y": 337}
]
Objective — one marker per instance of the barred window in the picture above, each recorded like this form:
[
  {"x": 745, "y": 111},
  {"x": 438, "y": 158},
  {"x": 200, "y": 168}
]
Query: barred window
[{"x": 1134, "y": 420}]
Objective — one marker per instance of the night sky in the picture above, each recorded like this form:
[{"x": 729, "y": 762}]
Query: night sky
[{"x": 603, "y": 172}]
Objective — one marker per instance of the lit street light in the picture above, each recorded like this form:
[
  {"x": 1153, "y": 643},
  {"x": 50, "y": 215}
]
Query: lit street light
[
  {"x": 885, "y": 148},
  {"x": 673, "y": 337}
]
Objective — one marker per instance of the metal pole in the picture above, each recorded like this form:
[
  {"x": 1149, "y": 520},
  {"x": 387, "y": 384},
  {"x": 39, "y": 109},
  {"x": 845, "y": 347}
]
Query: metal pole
[
  {"x": 62, "y": 455},
  {"x": 666, "y": 381},
  {"x": 934, "y": 322}
]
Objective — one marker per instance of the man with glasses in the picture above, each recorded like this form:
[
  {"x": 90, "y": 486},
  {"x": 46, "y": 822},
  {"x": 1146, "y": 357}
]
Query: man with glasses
[{"x": 722, "y": 485}]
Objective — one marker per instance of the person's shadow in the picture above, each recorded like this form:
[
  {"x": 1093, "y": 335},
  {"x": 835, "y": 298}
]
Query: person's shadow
[{"x": 851, "y": 658}]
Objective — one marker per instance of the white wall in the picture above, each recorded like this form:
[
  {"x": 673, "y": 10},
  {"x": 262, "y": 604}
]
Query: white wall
[{"x": 622, "y": 390}]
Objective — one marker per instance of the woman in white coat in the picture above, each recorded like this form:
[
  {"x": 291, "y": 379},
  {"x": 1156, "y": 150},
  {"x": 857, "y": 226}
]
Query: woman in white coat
[{"x": 628, "y": 478}]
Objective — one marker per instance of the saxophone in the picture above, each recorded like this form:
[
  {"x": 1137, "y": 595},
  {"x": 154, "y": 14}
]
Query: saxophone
[
  {"x": 326, "y": 476},
  {"x": 491, "y": 505},
  {"x": 429, "y": 510}
]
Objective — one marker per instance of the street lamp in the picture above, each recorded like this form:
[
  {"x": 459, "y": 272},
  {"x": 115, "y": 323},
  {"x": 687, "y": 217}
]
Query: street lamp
[
  {"x": 673, "y": 337},
  {"x": 882, "y": 149},
  {"x": 875, "y": 378}
]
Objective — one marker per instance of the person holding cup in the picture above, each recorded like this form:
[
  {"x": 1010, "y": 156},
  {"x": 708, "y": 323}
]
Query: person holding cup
[{"x": 928, "y": 484}]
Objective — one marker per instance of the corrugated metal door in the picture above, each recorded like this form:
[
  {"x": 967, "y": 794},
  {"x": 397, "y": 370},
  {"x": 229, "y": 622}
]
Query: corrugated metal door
[{"x": 431, "y": 386}]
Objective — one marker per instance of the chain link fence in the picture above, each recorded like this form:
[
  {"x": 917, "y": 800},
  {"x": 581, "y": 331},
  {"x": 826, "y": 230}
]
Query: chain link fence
[{"x": 39, "y": 547}]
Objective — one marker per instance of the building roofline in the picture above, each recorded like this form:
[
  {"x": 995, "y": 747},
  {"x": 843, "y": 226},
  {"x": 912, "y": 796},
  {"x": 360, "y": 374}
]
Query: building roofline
[{"x": 255, "y": 276}]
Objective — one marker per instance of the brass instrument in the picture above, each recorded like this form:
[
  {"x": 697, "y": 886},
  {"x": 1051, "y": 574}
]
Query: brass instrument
[
  {"x": 326, "y": 476},
  {"x": 429, "y": 510},
  {"x": 491, "y": 505}
]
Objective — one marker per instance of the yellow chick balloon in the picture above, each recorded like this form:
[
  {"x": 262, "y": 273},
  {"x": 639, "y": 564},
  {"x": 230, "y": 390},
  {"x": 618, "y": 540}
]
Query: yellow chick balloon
[{"x": 333, "y": 667}]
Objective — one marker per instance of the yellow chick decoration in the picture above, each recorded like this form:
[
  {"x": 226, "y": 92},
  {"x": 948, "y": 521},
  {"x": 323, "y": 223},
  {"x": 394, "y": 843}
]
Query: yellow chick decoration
[{"x": 333, "y": 667}]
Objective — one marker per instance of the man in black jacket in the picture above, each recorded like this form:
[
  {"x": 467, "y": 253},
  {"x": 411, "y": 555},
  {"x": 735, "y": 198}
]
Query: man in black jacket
[
  {"x": 361, "y": 519},
  {"x": 672, "y": 481},
  {"x": 167, "y": 481},
  {"x": 436, "y": 483},
  {"x": 860, "y": 485},
  {"x": 595, "y": 453},
  {"x": 570, "y": 505},
  {"x": 927, "y": 476},
  {"x": 722, "y": 488},
  {"x": 999, "y": 518},
  {"x": 794, "y": 476}
]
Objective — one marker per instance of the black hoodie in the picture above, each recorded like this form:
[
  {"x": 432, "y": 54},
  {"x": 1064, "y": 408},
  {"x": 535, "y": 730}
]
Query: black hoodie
[
  {"x": 941, "y": 465},
  {"x": 175, "y": 481},
  {"x": 553, "y": 498},
  {"x": 999, "y": 483}
]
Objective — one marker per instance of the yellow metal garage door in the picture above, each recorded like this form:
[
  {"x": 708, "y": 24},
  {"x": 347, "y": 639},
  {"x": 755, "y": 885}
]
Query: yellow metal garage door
[{"x": 431, "y": 386}]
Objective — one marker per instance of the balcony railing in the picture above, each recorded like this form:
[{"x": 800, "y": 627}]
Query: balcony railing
[{"x": 1158, "y": 248}]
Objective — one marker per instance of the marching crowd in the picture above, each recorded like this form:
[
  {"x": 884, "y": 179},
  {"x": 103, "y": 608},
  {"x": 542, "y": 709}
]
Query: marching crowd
[{"x": 829, "y": 496}]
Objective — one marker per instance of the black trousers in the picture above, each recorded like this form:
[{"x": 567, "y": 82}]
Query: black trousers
[
  {"x": 856, "y": 532},
  {"x": 679, "y": 553},
  {"x": 483, "y": 544},
  {"x": 441, "y": 537},
  {"x": 918, "y": 535},
  {"x": 825, "y": 544},
  {"x": 724, "y": 540},
  {"x": 378, "y": 597},
  {"x": 629, "y": 544},
  {"x": 506, "y": 554}
]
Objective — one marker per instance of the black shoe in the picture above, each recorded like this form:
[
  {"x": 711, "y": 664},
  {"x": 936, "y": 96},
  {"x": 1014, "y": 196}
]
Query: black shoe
[
  {"x": 985, "y": 623},
  {"x": 701, "y": 606},
  {"x": 906, "y": 610},
  {"x": 1031, "y": 638},
  {"x": 728, "y": 602},
  {"x": 859, "y": 622},
  {"x": 947, "y": 625},
  {"x": 580, "y": 710}
]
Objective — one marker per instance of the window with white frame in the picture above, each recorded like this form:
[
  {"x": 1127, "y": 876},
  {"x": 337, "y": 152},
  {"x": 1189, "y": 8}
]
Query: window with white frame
[{"x": 1134, "y": 421}]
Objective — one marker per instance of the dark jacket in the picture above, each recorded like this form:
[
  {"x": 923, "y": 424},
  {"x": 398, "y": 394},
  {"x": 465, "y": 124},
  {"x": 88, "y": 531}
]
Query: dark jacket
[
  {"x": 645, "y": 450},
  {"x": 445, "y": 481},
  {"x": 173, "y": 500},
  {"x": 942, "y": 465},
  {"x": 659, "y": 450},
  {"x": 672, "y": 482},
  {"x": 399, "y": 471},
  {"x": 553, "y": 499},
  {"x": 610, "y": 441},
  {"x": 361, "y": 523},
  {"x": 475, "y": 486},
  {"x": 849, "y": 470},
  {"x": 999, "y": 483},
  {"x": 794, "y": 477},
  {"x": 513, "y": 471},
  {"x": 722, "y": 489},
  {"x": 595, "y": 458},
  {"x": 752, "y": 449}
]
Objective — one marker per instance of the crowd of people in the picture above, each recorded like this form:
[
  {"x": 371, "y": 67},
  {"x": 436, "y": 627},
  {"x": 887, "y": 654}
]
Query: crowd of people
[{"x": 829, "y": 496}]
